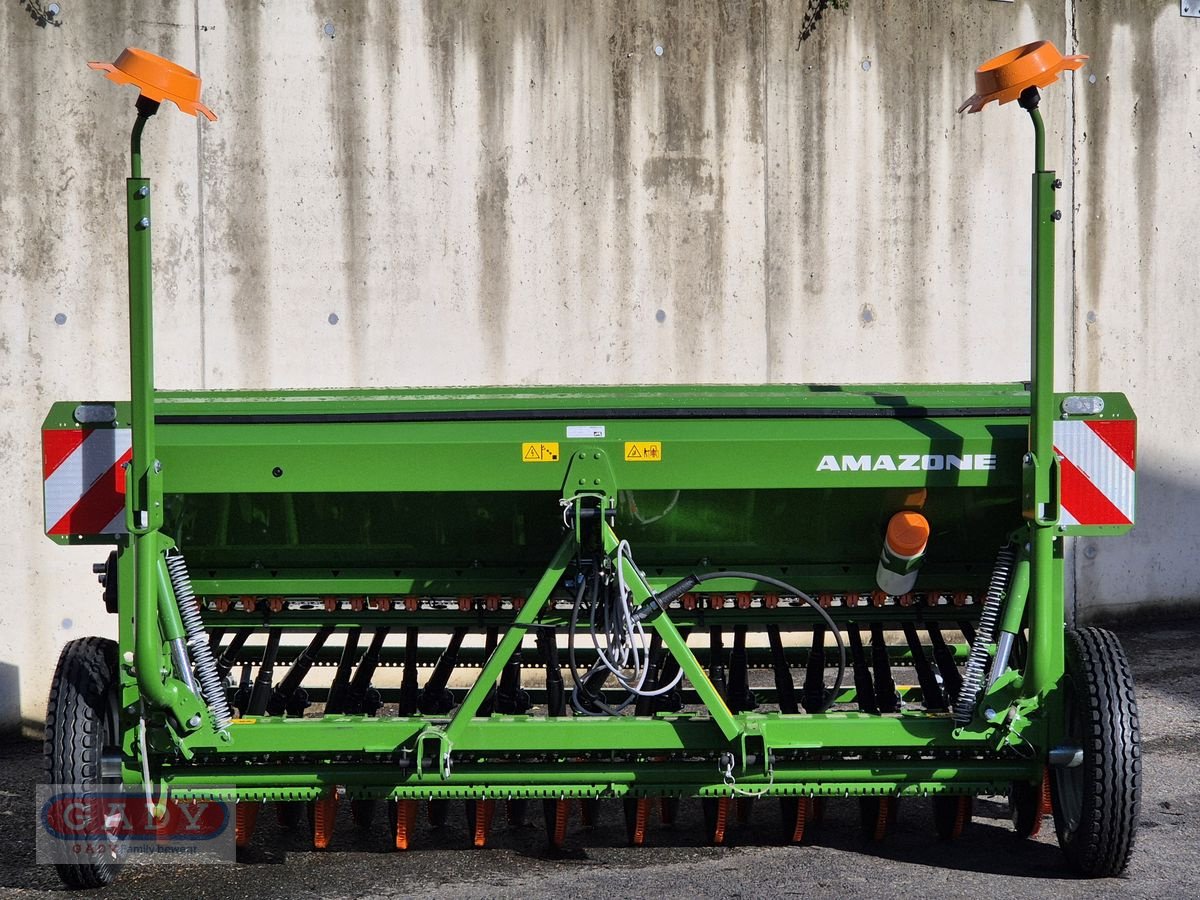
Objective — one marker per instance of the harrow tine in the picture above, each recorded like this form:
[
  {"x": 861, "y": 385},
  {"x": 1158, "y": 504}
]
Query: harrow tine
[
  {"x": 931, "y": 691},
  {"x": 814, "y": 673},
  {"x": 479, "y": 820},
  {"x": 557, "y": 814},
  {"x": 246, "y": 815},
  {"x": 878, "y": 816},
  {"x": 943, "y": 658},
  {"x": 403, "y": 820},
  {"x": 716, "y": 818},
  {"x": 324, "y": 816},
  {"x": 886, "y": 695},
  {"x": 785, "y": 688},
  {"x": 951, "y": 815},
  {"x": 796, "y": 814},
  {"x": 637, "y": 815},
  {"x": 1029, "y": 804},
  {"x": 741, "y": 698},
  {"x": 864, "y": 687}
]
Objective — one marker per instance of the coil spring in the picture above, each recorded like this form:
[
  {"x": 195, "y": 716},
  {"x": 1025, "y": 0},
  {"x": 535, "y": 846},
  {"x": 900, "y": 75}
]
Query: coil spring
[
  {"x": 985, "y": 634},
  {"x": 212, "y": 687}
]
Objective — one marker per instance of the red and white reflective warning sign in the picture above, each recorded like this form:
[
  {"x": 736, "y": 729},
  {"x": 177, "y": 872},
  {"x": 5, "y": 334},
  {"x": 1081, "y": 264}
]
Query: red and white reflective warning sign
[
  {"x": 1096, "y": 466},
  {"x": 85, "y": 479}
]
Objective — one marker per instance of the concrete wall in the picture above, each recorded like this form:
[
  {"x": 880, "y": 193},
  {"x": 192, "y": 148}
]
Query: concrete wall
[{"x": 531, "y": 193}]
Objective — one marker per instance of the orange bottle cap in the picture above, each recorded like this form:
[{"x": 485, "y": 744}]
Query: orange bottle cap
[
  {"x": 1004, "y": 77},
  {"x": 157, "y": 78},
  {"x": 907, "y": 533}
]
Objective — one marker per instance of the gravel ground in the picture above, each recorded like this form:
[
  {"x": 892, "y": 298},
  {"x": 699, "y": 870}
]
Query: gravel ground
[{"x": 988, "y": 861}]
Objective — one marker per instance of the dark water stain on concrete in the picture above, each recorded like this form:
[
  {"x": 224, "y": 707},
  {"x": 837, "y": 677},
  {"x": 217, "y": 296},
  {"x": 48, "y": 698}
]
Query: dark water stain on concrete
[
  {"x": 808, "y": 72},
  {"x": 491, "y": 33},
  {"x": 445, "y": 29},
  {"x": 689, "y": 174},
  {"x": 33, "y": 107},
  {"x": 495, "y": 33},
  {"x": 1097, "y": 32},
  {"x": 909, "y": 82},
  {"x": 1094, "y": 101},
  {"x": 235, "y": 225},
  {"x": 623, "y": 49},
  {"x": 355, "y": 26}
]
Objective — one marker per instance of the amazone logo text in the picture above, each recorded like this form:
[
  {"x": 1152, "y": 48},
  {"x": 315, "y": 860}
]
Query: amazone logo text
[{"x": 915, "y": 462}]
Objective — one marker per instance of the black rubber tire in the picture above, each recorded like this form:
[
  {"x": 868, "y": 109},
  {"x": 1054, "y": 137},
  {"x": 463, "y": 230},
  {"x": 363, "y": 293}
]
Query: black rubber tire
[
  {"x": 81, "y": 720},
  {"x": 1096, "y": 804}
]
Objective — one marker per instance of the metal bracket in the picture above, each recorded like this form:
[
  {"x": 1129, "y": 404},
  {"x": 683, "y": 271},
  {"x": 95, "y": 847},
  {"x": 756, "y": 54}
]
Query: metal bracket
[
  {"x": 441, "y": 753},
  {"x": 1038, "y": 480},
  {"x": 589, "y": 472}
]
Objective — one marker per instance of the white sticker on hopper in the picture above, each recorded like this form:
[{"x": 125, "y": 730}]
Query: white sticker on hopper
[{"x": 585, "y": 431}]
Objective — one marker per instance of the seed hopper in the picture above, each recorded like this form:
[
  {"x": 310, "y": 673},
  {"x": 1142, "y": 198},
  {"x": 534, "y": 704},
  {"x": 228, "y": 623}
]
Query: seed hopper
[{"x": 695, "y": 602}]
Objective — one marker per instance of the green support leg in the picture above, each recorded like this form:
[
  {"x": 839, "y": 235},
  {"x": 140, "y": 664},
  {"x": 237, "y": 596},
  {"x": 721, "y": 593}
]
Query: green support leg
[{"x": 511, "y": 640}]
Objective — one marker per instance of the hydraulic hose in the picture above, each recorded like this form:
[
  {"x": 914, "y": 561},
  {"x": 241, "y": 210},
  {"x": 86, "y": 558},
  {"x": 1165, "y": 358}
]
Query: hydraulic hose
[
  {"x": 658, "y": 604},
  {"x": 791, "y": 591}
]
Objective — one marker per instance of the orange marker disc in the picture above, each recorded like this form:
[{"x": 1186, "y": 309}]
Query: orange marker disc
[
  {"x": 157, "y": 78},
  {"x": 1004, "y": 77}
]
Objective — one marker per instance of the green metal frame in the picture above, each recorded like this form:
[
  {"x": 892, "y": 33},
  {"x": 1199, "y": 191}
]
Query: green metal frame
[{"x": 241, "y": 443}]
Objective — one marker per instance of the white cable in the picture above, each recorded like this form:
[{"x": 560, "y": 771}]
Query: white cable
[
  {"x": 648, "y": 520},
  {"x": 145, "y": 765},
  {"x": 626, "y": 645}
]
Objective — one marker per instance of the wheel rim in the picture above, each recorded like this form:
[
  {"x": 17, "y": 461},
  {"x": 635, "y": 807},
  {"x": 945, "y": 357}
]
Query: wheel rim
[
  {"x": 1069, "y": 782},
  {"x": 111, "y": 725}
]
